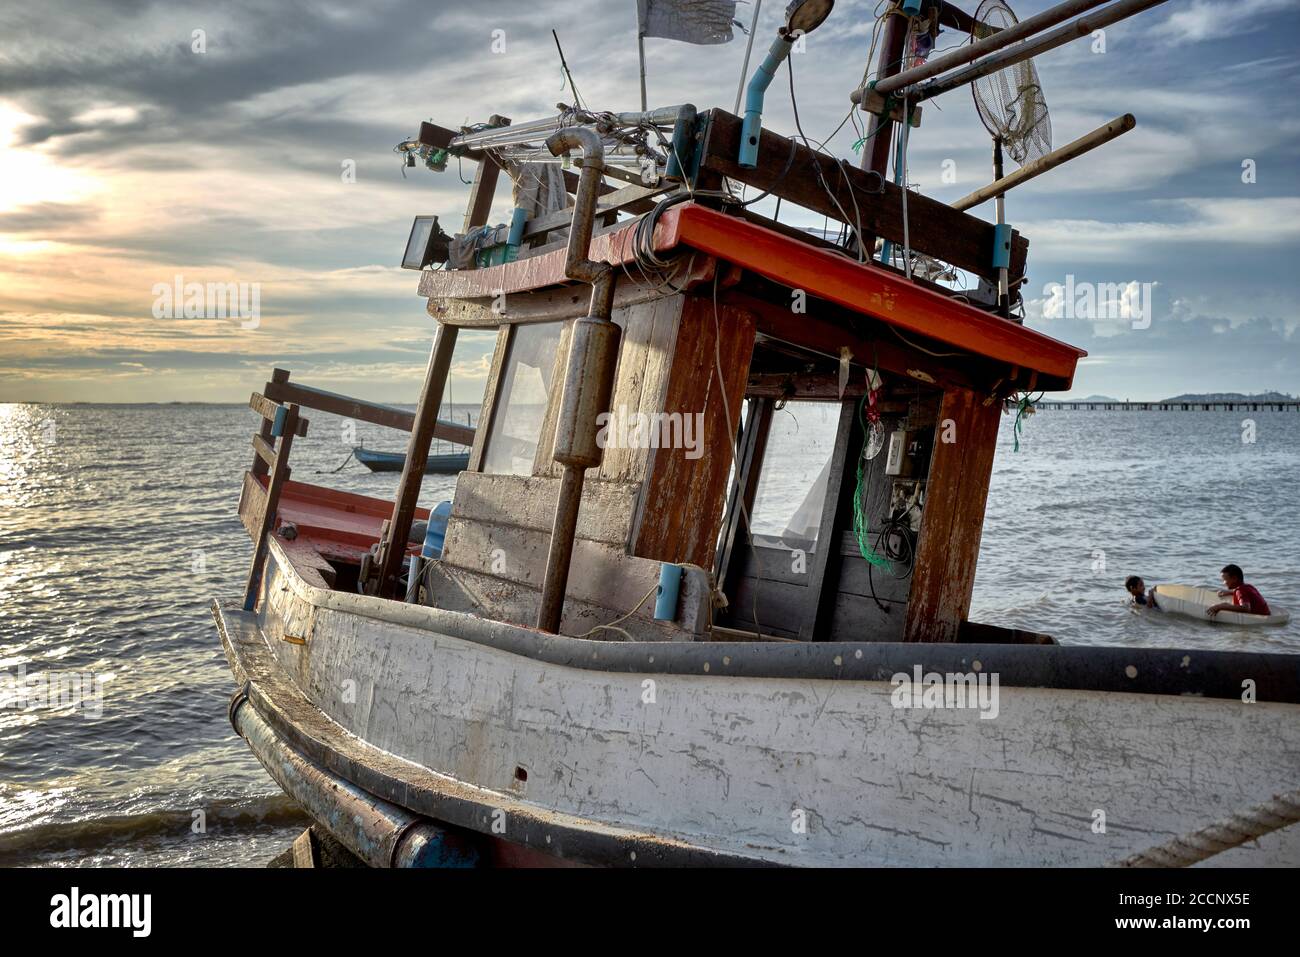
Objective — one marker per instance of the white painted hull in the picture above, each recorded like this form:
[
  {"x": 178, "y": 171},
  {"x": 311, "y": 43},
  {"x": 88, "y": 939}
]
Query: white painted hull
[{"x": 773, "y": 770}]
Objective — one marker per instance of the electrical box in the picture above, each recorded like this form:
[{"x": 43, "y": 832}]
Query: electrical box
[{"x": 909, "y": 454}]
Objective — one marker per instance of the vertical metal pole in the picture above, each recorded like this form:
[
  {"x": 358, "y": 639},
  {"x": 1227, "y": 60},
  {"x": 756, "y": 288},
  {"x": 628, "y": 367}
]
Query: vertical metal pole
[
  {"x": 744, "y": 69},
  {"x": 640, "y": 49},
  {"x": 1004, "y": 293},
  {"x": 875, "y": 152},
  {"x": 561, "y": 550}
]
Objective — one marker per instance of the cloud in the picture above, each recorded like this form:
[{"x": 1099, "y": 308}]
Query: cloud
[
  {"x": 1261, "y": 222},
  {"x": 126, "y": 158},
  {"x": 1216, "y": 19}
]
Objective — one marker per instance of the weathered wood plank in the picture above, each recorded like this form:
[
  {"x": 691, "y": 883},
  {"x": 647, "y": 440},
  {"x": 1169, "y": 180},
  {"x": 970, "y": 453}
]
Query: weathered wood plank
[
  {"x": 600, "y": 574},
  {"x": 270, "y": 410},
  {"x": 529, "y": 502},
  {"x": 277, "y": 376},
  {"x": 567, "y": 301},
  {"x": 252, "y": 503},
  {"x": 646, "y": 332},
  {"x": 279, "y": 474},
  {"x": 374, "y": 412},
  {"x": 461, "y": 589},
  {"x": 485, "y": 185},
  {"x": 308, "y": 563},
  {"x": 264, "y": 450},
  {"x": 948, "y": 547},
  {"x": 490, "y": 390},
  {"x": 694, "y": 489}
]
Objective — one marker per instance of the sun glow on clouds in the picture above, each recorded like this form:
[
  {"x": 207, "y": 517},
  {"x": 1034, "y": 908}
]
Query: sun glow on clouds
[{"x": 29, "y": 176}]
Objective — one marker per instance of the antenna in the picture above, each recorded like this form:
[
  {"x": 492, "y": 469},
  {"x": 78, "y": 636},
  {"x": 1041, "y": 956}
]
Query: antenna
[{"x": 564, "y": 65}]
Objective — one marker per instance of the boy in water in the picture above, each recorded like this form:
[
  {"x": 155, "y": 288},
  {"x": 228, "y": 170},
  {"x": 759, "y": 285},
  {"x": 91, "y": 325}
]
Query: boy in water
[
  {"x": 1245, "y": 598},
  {"x": 1136, "y": 587}
]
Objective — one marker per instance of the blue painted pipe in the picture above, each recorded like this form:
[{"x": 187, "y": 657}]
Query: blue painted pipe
[
  {"x": 670, "y": 581},
  {"x": 517, "y": 222},
  {"x": 763, "y": 76}
]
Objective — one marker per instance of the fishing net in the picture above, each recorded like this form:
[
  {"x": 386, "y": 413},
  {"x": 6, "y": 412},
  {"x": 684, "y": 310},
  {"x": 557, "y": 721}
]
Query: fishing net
[{"x": 1010, "y": 101}]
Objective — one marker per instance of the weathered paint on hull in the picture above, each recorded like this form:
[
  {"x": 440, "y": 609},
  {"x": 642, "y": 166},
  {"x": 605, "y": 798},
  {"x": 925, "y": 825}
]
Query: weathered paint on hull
[{"x": 719, "y": 768}]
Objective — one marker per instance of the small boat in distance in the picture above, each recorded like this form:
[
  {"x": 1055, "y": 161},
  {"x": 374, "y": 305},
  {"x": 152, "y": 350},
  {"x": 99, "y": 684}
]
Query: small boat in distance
[{"x": 447, "y": 463}]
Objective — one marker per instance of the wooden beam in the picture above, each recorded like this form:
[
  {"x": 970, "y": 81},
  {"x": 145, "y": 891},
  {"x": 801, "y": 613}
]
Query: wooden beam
[
  {"x": 490, "y": 390},
  {"x": 373, "y": 412},
  {"x": 392, "y": 549},
  {"x": 264, "y": 450},
  {"x": 485, "y": 185},
  {"x": 870, "y": 342},
  {"x": 277, "y": 376},
  {"x": 948, "y": 546},
  {"x": 252, "y": 504},
  {"x": 934, "y": 228},
  {"x": 266, "y": 521},
  {"x": 565, "y": 302},
  {"x": 811, "y": 386}
]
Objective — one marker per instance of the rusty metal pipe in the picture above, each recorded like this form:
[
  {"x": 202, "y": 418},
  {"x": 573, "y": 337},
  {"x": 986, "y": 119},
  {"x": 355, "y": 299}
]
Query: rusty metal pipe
[
  {"x": 380, "y": 833},
  {"x": 576, "y": 263},
  {"x": 972, "y": 51},
  {"x": 588, "y": 377}
]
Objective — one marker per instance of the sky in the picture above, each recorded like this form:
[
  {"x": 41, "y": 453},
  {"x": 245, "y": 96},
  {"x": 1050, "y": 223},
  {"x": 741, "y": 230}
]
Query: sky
[{"x": 252, "y": 142}]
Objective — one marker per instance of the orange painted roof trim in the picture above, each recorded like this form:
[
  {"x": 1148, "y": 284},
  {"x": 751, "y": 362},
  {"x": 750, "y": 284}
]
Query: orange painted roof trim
[{"x": 862, "y": 287}]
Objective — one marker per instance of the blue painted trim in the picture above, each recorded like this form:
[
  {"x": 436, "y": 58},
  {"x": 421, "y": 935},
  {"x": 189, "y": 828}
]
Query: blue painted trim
[{"x": 277, "y": 426}]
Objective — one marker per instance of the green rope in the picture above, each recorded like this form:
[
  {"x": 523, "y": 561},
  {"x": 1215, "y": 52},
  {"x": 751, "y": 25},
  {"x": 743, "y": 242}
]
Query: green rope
[
  {"x": 860, "y": 530},
  {"x": 1024, "y": 407}
]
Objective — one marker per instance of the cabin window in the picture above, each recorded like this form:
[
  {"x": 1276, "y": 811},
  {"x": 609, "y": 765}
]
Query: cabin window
[
  {"x": 792, "y": 484},
  {"x": 526, "y": 377}
]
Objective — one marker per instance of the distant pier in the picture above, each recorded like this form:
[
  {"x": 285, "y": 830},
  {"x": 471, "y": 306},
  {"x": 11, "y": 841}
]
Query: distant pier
[{"x": 1234, "y": 405}]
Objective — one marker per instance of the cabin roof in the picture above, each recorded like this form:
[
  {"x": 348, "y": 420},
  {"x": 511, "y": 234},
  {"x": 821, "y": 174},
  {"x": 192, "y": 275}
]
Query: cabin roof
[{"x": 864, "y": 288}]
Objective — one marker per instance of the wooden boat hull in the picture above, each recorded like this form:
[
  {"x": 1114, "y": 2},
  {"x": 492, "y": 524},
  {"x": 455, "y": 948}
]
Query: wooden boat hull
[
  {"x": 634, "y": 753},
  {"x": 449, "y": 463}
]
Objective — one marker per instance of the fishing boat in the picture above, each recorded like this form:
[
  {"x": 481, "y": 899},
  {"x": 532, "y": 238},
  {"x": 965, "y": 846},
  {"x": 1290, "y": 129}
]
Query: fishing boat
[
  {"x": 447, "y": 462},
  {"x": 655, "y": 629}
]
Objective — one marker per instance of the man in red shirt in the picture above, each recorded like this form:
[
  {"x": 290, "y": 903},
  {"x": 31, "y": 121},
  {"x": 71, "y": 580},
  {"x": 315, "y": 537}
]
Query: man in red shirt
[{"x": 1245, "y": 598}]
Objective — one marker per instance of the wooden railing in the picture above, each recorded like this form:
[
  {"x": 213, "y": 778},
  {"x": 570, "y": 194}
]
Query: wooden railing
[
  {"x": 280, "y": 423},
  {"x": 279, "y": 405}
]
